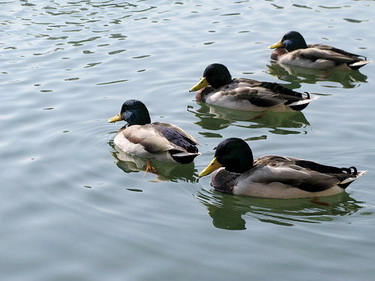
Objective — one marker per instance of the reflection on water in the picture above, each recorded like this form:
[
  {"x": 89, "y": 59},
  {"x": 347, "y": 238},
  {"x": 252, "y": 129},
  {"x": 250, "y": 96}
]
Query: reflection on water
[
  {"x": 217, "y": 118},
  {"x": 162, "y": 170},
  {"x": 297, "y": 75},
  {"x": 230, "y": 212}
]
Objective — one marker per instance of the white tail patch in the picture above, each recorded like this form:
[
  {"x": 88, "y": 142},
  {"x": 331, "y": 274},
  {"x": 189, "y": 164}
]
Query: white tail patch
[
  {"x": 185, "y": 154},
  {"x": 348, "y": 180},
  {"x": 303, "y": 101},
  {"x": 359, "y": 64}
]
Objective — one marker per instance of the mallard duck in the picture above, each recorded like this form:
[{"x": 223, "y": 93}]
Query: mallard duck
[
  {"x": 274, "y": 176},
  {"x": 293, "y": 50},
  {"x": 161, "y": 141},
  {"x": 218, "y": 88}
]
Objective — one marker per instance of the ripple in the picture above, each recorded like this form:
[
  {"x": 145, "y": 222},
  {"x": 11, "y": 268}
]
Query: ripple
[
  {"x": 352, "y": 20},
  {"x": 112, "y": 82},
  {"x": 330, "y": 7},
  {"x": 141, "y": 57},
  {"x": 302, "y": 6},
  {"x": 80, "y": 42}
]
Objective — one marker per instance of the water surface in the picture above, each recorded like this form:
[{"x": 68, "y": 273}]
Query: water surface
[{"x": 74, "y": 209}]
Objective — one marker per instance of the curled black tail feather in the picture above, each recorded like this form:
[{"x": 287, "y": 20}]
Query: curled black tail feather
[
  {"x": 308, "y": 95},
  {"x": 350, "y": 171}
]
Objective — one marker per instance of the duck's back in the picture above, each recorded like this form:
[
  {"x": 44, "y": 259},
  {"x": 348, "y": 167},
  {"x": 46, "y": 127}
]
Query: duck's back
[
  {"x": 354, "y": 57},
  {"x": 177, "y": 136},
  {"x": 309, "y": 175}
]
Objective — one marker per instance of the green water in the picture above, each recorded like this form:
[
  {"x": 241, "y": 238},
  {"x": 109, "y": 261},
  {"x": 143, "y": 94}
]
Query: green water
[{"x": 73, "y": 209}]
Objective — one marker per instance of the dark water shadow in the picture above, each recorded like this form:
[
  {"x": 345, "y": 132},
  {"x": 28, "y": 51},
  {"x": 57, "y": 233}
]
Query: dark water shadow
[
  {"x": 296, "y": 76},
  {"x": 235, "y": 212},
  {"x": 216, "y": 118},
  {"x": 163, "y": 171}
]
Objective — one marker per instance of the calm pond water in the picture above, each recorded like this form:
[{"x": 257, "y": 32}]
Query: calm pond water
[{"x": 73, "y": 209}]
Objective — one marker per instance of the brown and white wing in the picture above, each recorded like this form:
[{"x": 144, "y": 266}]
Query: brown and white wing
[
  {"x": 317, "y": 53},
  {"x": 179, "y": 130},
  {"x": 305, "y": 175},
  {"x": 148, "y": 137}
]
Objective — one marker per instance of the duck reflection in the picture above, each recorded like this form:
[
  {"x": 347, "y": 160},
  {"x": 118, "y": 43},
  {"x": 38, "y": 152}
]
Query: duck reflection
[
  {"x": 217, "y": 118},
  {"x": 231, "y": 212},
  {"x": 163, "y": 171},
  {"x": 297, "y": 75}
]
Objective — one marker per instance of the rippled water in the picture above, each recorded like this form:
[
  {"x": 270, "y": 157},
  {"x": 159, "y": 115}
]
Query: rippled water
[{"x": 74, "y": 209}]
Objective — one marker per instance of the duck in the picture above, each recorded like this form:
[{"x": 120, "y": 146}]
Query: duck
[
  {"x": 158, "y": 140},
  {"x": 293, "y": 50},
  {"x": 274, "y": 176},
  {"x": 217, "y": 87}
]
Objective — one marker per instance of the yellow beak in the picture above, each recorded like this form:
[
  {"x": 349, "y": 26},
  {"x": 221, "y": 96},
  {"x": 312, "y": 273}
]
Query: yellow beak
[
  {"x": 214, "y": 165},
  {"x": 201, "y": 84},
  {"x": 115, "y": 118},
  {"x": 277, "y": 45}
]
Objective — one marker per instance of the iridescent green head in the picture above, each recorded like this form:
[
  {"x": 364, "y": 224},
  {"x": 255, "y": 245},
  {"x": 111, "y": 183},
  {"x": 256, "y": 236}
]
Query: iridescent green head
[
  {"x": 134, "y": 112},
  {"x": 291, "y": 41}
]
